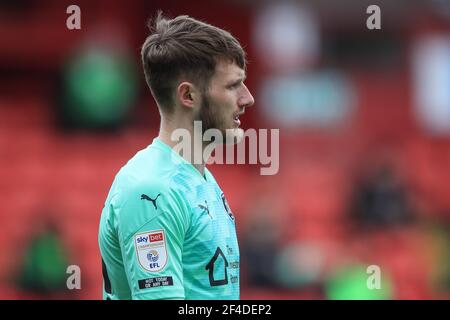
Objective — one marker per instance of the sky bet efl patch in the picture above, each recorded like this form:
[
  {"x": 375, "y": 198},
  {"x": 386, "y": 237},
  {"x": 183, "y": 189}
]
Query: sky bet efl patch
[{"x": 151, "y": 250}]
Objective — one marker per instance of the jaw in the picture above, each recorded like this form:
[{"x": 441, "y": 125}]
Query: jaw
[{"x": 234, "y": 136}]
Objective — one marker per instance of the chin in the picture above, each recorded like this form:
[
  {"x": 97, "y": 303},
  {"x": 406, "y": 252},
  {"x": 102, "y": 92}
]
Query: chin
[{"x": 234, "y": 136}]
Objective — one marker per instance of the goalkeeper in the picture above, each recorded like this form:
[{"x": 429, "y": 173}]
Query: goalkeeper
[{"x": 166, "y": 230}]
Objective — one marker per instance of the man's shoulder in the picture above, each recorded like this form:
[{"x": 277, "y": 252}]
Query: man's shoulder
[
  {"x": 141, "y": 197},
  {"x": 148, "y": 173}
]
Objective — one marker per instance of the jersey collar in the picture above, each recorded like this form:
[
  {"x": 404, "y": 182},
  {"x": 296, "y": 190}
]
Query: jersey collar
[{"x": 179, "y": 159}]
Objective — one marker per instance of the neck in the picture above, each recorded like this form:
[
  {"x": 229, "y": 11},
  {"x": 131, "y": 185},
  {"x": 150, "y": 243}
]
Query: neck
[{"x": 193, "y": 147}]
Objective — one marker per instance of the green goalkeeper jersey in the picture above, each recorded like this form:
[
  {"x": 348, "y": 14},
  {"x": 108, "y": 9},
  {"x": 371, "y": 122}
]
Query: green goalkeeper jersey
[{"x": 167, "y": 232}]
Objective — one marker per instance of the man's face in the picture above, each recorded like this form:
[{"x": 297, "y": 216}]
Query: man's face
[{"x": 225, "y": 100}]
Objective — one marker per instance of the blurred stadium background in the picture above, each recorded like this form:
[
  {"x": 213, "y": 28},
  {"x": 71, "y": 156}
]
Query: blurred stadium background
[{"x": 364, "y": 119}]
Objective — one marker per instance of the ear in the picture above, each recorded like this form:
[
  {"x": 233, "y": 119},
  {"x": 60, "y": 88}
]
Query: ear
[{"x": 187, "y": 94}]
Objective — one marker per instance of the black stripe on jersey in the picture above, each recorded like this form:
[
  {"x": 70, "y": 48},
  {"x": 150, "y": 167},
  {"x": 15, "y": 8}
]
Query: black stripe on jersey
[{"x": 106, "y": 278}]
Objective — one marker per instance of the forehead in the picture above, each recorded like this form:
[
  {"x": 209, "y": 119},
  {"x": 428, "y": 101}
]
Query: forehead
[{"x": 227, "y": 70}]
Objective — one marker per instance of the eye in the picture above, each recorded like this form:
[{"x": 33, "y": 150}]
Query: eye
[{"x": 235, "y": 85}]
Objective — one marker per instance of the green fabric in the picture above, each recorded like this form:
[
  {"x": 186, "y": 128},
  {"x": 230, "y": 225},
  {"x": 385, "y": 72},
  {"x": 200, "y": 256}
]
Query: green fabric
[
  {"x": 351, "y": 283},
  {"x": 100, "y": 88},
  {"x": 45, "y": 264},
  {"x": 199, "y": 251}
]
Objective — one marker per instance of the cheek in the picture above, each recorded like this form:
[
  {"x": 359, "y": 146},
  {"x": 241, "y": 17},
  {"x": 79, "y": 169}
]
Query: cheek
[
  {"x": 228, "y": 108},
  {"x": 226, "y": 103},
  {"x": 231, "y": 100}
]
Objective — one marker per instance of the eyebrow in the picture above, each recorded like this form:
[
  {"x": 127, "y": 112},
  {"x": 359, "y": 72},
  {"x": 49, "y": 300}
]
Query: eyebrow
[{"x": 240, "y": 79}]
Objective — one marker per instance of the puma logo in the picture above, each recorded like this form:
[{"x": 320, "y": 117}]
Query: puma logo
[
  {"x": 205, "y": 207},
  {"x": 146, "y": 197}
]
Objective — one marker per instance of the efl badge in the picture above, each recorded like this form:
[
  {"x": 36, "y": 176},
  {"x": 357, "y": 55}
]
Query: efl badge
[{"x": 151, "y": 250}]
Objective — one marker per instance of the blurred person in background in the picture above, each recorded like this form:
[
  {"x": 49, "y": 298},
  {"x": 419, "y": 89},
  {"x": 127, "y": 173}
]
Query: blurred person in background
[
  {"x": 166, "y": 230},
  {"x": 43, "y": 269},
  {"x": 380, "y": 197},
  {"x": 261, "y": 242}
]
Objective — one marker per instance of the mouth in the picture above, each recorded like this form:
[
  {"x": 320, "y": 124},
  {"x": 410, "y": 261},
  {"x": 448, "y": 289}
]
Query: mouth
[{"x": 236, "y": 120}]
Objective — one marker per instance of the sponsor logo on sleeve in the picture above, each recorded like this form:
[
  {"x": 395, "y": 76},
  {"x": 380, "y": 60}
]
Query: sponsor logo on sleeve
[
  {"x": 155, "y": 282},
  {"x": 151, "y": 250}
]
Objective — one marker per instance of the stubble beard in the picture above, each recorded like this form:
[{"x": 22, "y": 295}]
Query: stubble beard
[{"x": 210, "y": 120}]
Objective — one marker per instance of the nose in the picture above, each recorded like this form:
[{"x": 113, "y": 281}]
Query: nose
[{"x": 247, "y": 99}]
